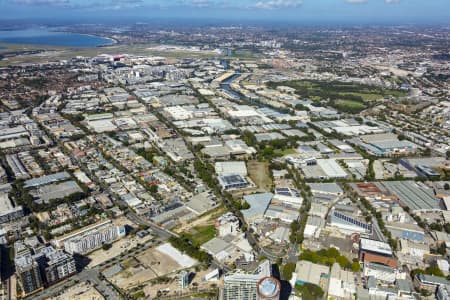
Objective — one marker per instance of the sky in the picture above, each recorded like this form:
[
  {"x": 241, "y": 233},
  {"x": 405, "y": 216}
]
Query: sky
[{"x": 287, "y": 11}]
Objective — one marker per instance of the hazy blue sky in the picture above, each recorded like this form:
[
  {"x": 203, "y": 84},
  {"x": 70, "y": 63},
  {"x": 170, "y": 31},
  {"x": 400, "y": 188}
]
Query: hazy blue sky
[{"x": 301, "y": 11}]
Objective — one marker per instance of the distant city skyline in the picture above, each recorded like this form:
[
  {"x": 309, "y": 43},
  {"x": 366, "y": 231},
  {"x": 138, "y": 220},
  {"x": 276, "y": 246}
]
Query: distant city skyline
[{"x": 288, "y": 11}]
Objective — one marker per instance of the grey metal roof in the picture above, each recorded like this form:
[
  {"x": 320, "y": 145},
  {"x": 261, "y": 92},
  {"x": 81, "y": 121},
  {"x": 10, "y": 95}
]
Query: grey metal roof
[
  {"x": 413, "y": 195},
  {"x": 258, "y": 204}
]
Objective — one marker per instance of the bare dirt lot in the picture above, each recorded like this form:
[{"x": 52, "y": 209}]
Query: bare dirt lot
[
  {"x": 132, "y": 277},
  {"x": 121, "y": 246},
  {"x": 158, "y": 262},
  {"x": 147, "y": 265},
  {"x": 259, "y": 173},
  {"x": 173, "y": 288},
  {"x": 80, "y": 291}
]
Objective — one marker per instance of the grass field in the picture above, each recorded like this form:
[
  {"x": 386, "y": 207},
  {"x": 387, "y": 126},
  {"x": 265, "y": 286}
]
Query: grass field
[
  {"x": 259, "y": 173},
  {"x": 245, "y": 54},
  {"x": 201, "y": 234},
  {"x": 367, "y": 97},
  {"x": 348, "y": 104},
  {"x": 285, "y": 152},
  {"x": 316, "y": 90}
]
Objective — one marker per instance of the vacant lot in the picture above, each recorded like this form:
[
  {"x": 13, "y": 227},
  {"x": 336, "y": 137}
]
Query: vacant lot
[
  {"x": 132, "y": 277},
  {"x": 201, "y": 234},
  {"x": 148, "y": 265},
  {"x": 207, "y": 219},
  {"x": 259, "y": 173},
  {"x": 160, "y": 263},
  {"x": 121, "y": 246},
  {"x": 80, "y": 291}
]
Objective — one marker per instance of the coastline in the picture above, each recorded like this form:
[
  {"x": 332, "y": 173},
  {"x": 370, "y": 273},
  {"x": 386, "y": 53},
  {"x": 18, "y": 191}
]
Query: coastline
[
  {"x": 106, "y": 40},
  {"x": 113, "y": 40}
]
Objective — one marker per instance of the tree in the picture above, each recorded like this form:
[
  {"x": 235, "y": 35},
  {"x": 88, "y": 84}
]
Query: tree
[
  {"x": 245, "y": 205},
  {"x": 343, "y": 261},
  {"x": 249, "y": 138},
  {"x": 153, "y": 188},
  {"x": 287, "y": 270},
  {"x": 309, "y": 291},
  {"x": 301, "y": 107},
  {"x": 356, "y": 267}
]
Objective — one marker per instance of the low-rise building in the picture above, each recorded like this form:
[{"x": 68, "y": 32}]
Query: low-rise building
[
  {"x": 414, "y": 249},
  {"x": 8, "y": 212},
  {"x": 308, "y": 272},
  {"x": 342, "y": 283},
  {"x": 429, "y": 282}
]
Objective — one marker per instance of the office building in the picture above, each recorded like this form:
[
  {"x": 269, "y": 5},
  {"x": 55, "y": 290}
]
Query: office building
[
  {"x": 244, "y": 286},
  {"x": 184, "y": 279}
]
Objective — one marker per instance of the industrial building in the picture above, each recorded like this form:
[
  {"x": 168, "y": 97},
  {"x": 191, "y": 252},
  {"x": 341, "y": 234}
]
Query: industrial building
[
  {"x": 13, "y": 133},
  {"x": 258, "y": 206},
  {"x": 414, "y": 249},
  {"x": 225, "y": 168},
  {"x": 8, "y": 212},
  {"x": 233, "y": 182},
  {"x": 348, "y": 224},
  {"x": 324, "y": 169},
  {"x": 414, "y": 195},
  {"x": 380, "y": 272},
  {"x": 288, "y": 196},
  {"x": 17, "y": 167},
  {"x": 44, "y": 180},
  {"x": 342, "y": 283},
  {"x": 313, "y": 227},
  {"x": 385, "y": 145},
  {"x": 407, "y": 231},
  {"x": 330, "y": 188},
  {"x": 429, "y": 282},
  {"x": 375, "y": 247},
  {"x": 48, "y": 192},
  {"x": 285, "y": 212}
]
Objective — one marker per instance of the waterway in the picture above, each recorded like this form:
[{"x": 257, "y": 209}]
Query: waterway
[{"x": 47, "y": 37}]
